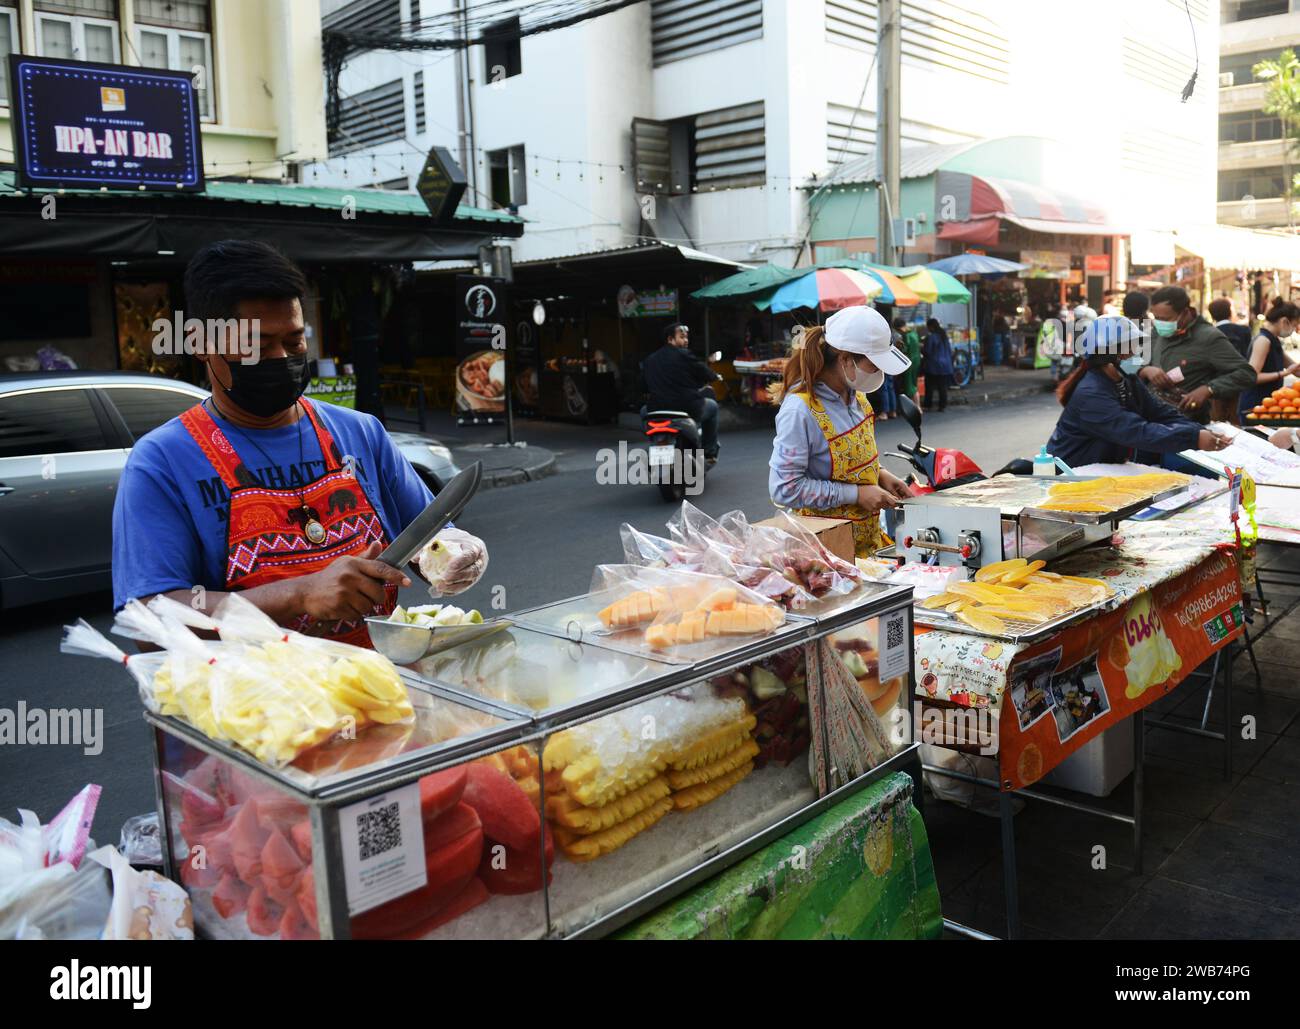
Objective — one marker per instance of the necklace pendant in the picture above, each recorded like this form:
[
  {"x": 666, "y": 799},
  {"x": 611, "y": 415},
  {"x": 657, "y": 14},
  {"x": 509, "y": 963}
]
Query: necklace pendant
[{"x": 315, "y": 531}]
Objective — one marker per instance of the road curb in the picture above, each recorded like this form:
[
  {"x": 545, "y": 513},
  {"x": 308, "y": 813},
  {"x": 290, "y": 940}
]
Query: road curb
[{"x": 538, "y": 464}]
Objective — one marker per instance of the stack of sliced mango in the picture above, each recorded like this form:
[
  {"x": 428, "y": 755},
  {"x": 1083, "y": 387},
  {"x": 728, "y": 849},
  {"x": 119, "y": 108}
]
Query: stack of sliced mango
[
  {"x": 1016, "y": 591},
  {"x": 1110, "y": 492},
  {"x": 609, "y": 780}
]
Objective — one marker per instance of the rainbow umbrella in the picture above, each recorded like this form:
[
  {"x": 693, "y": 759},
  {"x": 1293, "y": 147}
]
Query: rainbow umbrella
[
  {"x": 830, "y": 289},
  {"x": 936, "y": 287}
]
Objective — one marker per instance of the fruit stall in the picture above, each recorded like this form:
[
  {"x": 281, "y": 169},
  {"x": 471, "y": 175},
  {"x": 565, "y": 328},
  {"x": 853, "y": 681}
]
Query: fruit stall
[
  {"x": 560, "y": 773},
  {"x": 1072, "y": 605}
]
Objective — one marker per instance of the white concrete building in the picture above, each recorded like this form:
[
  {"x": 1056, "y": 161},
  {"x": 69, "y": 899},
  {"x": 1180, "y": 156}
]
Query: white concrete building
[{"x": 747, "y": 100}]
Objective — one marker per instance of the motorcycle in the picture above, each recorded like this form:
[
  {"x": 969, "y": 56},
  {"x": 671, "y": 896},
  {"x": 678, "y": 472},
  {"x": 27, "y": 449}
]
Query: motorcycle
[
  {"x": 676, "y": 450},
  {"x": 942, "y": 468}
]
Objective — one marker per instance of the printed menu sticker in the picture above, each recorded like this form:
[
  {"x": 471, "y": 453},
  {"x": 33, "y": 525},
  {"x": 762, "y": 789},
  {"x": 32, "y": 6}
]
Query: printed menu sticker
[
  {"x": 895, "y": 645},
  {"x": 383, "y": 848}
]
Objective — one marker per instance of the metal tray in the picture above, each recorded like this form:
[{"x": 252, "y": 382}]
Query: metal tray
[
  {"x": 1017, "y": 632},
  {"x": 1098, "y": 517},
  {"x": 404, "y": 644}
]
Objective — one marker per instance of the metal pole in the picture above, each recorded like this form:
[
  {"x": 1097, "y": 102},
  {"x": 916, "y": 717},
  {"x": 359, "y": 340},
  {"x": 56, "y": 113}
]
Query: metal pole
[
  {"x": 1227, "y": 717},
  {"x": 888, "y": 115},
  {"x": 1010, "y": 884},
  {"x": 461, "y": 135},
  {"x": 1139, "y": 784}
]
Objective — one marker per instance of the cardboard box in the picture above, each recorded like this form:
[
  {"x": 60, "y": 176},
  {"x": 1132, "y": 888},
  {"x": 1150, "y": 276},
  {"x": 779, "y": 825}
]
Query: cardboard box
[{"x": 835, "y": 534}]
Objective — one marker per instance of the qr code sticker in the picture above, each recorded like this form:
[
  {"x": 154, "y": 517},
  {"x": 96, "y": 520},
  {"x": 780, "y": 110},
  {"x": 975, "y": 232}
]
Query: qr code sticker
[
  {"x": 894, "y": 632},
  {"x": 379, "y": 831}
]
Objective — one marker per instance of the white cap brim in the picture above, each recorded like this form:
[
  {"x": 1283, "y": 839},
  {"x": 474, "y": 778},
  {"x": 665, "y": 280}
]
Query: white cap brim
[{"x": 892, "y": 362}]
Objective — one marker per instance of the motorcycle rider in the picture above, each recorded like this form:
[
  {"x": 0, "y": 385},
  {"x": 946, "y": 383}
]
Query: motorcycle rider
[{"x": 675, "y": 379}]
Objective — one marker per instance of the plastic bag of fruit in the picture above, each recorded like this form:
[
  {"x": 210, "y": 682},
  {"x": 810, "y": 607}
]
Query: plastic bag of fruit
[
  {"x": 797, "y": 555},
  {"x": 674, "y": 609}
]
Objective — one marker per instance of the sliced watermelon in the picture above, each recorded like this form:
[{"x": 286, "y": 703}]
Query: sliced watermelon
[
  {"x": 281, "y": 889},
  {"x": 199, "y": 877},
  {"x": 263, "y": 913},
  {"x": 449, "y": 826},
  {"x": 300, "y": 836},
  {"x": 230, "y": 897},
  {"x": 505, "y": 810},
  {"x": 294, "y": 927},
  {"x": 472, "y": 895},
  {"x": 306, "y": 898},
  {"x": 198, "y": 809},
  {"x": 520, "y": 871},
  {"x": 449, "y": 869},
  {"x": 440, "y": 791},
  {"x": 278, "y": 856}
]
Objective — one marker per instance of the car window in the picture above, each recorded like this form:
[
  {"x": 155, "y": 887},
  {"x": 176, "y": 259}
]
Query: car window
[
  {"x": 144, "y": 409},
  {"x": 49, "y": 421}
]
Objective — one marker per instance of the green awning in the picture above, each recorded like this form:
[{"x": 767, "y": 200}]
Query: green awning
[
  {"x": 747, "y": 282},
  {"x": 326, "y": 198}
]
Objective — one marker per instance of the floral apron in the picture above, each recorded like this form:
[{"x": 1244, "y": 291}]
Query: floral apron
[
  {"x": 854, "y": 459},
  {"x": 272, "y": 535}
]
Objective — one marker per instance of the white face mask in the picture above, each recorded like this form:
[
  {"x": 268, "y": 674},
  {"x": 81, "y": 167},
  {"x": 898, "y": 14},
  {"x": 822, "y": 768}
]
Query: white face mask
[{"x": 861, "y": 381}]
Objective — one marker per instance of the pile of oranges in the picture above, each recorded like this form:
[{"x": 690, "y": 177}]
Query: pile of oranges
[{"x": 1280, "y": 406}]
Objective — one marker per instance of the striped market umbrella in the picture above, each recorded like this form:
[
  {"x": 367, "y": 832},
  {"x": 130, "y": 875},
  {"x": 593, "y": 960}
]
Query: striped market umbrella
[
  {"x": 936, "y": 287},
  {"x": 830, "y": 289}
]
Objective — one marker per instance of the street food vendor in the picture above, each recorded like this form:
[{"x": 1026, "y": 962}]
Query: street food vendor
[
  {"x": 824, "y": 460},
  {"x": 261, "y": 491},
  {"x": 1110, "y": 417}
]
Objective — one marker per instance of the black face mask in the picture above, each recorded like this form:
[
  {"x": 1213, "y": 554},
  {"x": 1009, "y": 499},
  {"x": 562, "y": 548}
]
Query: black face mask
[{"x": 268, "y": 387}]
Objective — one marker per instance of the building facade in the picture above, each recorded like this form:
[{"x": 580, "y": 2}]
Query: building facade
[
  {"x": 702, "y": 124},
  {"x": 1255, "y": 157}
]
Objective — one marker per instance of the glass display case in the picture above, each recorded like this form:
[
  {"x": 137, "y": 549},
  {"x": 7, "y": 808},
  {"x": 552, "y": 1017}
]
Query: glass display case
[{"x": 558, "y": 780}]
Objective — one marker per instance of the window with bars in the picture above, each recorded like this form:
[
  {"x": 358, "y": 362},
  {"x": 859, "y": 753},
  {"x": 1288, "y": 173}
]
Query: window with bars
[
  {"x": 936, "y": 32},
  {"x": 728, "y": 150},
  {"x": 418, "y": 83},
  {"x": 180, "y": 50},
  {"x": 384, "y": 16},
  {"x": 106, "y": 9},
  {"x": 76, "y": 37},
  {"x": 365, "y": 119},
  {"x": 195, "y": 15},
  {"x": 1249, "y": 127},
  {"x": 8, "y": 45},
  {"x": 686, "y": 28},
  {"x": 1260, "y": 183}
]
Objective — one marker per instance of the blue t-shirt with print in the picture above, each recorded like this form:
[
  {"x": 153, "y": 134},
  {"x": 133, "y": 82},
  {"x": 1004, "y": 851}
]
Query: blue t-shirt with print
[{"x": 169, "y": 517}]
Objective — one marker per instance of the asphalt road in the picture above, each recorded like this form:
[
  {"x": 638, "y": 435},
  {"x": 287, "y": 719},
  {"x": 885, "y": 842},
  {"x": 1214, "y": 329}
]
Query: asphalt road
[{"x": 544, "y": 539}]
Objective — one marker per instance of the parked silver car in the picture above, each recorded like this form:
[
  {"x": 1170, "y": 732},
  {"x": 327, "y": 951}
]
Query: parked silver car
[{"x": 56, "y": 529}]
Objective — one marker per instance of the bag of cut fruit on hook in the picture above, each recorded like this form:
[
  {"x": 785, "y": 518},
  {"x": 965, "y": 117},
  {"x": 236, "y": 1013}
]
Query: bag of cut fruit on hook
[
  {"x": 796, "y": 554},
  {"x": 672, "y": 609}
]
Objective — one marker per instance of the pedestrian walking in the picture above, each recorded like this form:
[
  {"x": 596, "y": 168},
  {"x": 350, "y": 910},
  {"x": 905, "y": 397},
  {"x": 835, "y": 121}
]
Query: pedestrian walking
[
  {"x": 937, "y": 358},
  {"x": 911, "y": 346}
]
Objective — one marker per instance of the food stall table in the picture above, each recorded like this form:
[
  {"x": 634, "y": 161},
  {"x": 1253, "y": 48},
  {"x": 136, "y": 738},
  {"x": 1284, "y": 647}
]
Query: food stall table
[
  {"x": 1177, "y": 603},
  {"x": 860, "y": 870}
]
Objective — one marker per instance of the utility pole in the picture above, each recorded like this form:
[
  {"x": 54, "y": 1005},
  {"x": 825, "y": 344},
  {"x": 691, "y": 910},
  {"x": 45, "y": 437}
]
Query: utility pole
[
  {"x": 889, "y": 25},
  {"x": 461, "y": 153},
  {"x": 465, "y": 99}
]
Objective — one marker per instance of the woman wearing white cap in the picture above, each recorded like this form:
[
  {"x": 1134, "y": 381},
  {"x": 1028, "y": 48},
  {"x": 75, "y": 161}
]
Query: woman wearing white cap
[{"x": 824, "y": 459}]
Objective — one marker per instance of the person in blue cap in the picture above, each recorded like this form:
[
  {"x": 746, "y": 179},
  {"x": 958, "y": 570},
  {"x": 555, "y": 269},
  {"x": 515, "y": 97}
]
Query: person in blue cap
[{"x": 1110, "y": 417}]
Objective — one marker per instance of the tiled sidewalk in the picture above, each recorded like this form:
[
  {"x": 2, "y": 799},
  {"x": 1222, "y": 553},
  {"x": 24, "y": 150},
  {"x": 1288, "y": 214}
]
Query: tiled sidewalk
[{"x": 1222, "y": 857}]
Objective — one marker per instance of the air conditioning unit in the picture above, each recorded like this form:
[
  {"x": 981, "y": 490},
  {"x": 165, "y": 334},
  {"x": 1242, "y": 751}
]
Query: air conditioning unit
[{"x": 1225, "y": 78}]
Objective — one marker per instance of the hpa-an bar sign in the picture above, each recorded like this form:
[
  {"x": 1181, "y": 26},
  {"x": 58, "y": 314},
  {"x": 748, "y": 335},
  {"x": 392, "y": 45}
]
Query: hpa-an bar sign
[{"x": 78, "y": 124}]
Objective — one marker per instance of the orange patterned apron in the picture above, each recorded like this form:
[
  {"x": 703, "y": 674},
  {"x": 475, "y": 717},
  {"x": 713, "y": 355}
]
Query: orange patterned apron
[
  {"x": 854, "y": 459},
  {"x": 272, "y": 534}
]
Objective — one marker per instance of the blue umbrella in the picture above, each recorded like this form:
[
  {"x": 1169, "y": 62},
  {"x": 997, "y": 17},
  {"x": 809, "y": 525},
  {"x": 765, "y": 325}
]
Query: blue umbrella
[{"x": 975, "y": 264}]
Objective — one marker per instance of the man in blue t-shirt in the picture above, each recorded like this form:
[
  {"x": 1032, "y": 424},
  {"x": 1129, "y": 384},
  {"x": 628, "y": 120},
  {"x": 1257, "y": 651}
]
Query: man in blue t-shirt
[{"x": 259, "y": 491}]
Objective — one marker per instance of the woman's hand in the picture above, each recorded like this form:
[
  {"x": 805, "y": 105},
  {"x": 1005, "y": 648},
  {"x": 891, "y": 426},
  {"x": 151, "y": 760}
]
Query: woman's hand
[
  {"x": 874, "y": 499},
  {"x": 1207, "y": 440},
  {"x": 894, "y": 486}
]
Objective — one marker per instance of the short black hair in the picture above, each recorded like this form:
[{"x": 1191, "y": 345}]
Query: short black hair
[
  {"x": 1220, "y": 309},
  {"x": 671, "y": 331},
  {"x": 1175, "y": 296},
  {"x": 1282, "y": 309},
  {"x": 900, "y": 323},
  {"x": 1136, "y": 305},
  {"x": 224, "y": 273}
]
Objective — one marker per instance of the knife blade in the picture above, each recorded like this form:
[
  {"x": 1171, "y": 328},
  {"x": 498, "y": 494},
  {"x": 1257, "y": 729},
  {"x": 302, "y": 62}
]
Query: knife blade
[{"x": 448, "y": 504}]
